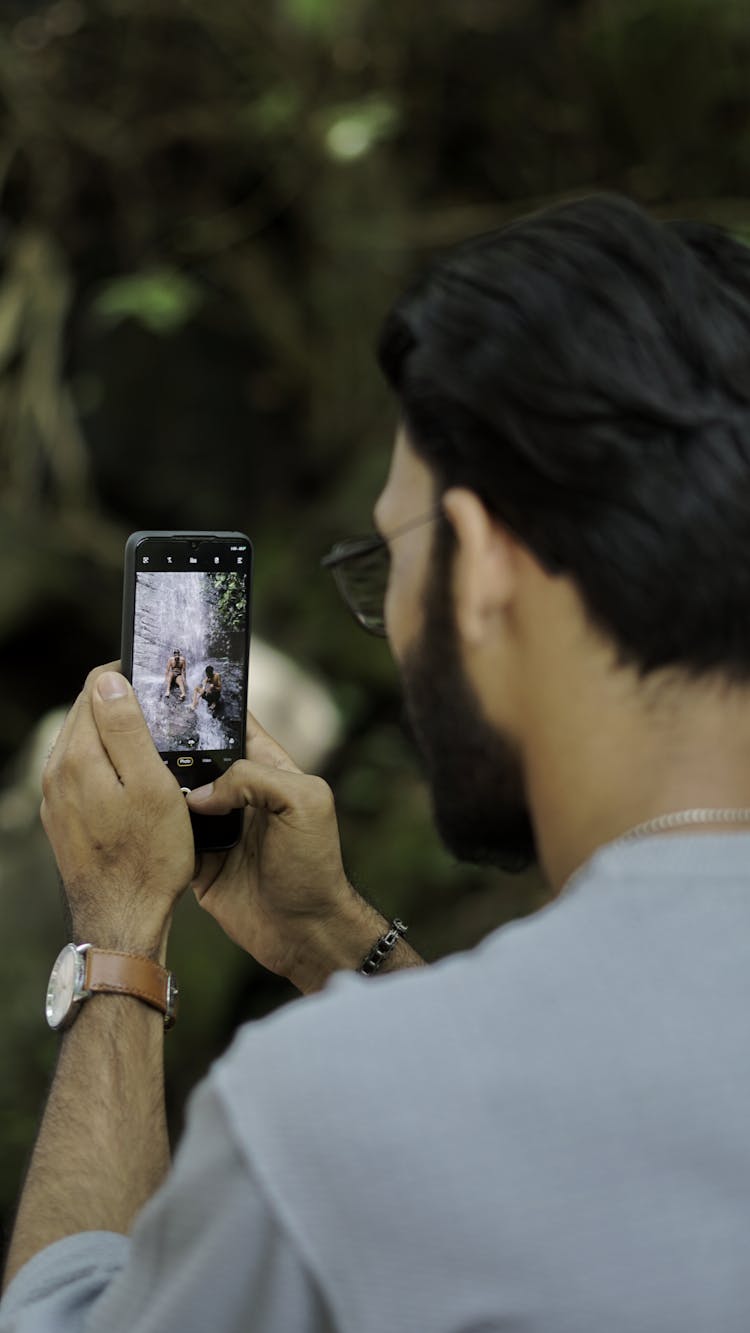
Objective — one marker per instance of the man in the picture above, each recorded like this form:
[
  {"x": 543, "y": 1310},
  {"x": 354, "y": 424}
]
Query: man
[
  {"x": 550, "y": 1132},
  {"x": 210, "y": 690},
  {"x": 176, "y": 674}
]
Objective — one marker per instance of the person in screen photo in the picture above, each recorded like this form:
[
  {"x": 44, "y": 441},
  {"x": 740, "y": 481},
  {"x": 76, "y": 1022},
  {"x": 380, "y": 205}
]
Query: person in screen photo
[
  {"x": 176, "y": 673},
  {"x": 210, "y": 690}
]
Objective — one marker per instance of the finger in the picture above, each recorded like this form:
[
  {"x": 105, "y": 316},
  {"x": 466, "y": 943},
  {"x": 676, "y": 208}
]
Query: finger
[
  {"x": 96, "y": 672},
  {"x": 206, "y": 871},
  {"x": 80, "y": 769},
  {"x": 122, "y": 728},
  {"x": 78, "y": 740},
  {"x": 62, "y": 740},
  {"x": 68, "y": 724},
  {"x": 258, "y": 786},
  {"x": 71, "y": 724},
  {"x": 261, "y": 748}
]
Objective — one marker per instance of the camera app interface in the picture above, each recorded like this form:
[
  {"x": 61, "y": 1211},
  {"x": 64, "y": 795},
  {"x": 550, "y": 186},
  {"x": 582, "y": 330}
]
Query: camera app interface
[{"x": 190, "y": 652}]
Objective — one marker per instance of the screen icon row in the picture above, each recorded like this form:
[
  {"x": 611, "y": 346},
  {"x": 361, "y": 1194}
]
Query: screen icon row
[{"x": 194, "y": 560}]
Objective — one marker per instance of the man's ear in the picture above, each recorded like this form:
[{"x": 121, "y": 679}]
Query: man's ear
[{"x": 484, "y": 569}]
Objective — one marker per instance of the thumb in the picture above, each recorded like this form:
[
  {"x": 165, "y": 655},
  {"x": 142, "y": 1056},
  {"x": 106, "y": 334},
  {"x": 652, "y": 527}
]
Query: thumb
[
  {"x": 275, "y": 790},
  {"x": 122, "y": 727}
]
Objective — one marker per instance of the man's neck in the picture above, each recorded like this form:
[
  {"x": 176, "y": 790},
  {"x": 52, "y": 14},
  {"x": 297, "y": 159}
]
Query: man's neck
[{"x": 602, "y": 771}]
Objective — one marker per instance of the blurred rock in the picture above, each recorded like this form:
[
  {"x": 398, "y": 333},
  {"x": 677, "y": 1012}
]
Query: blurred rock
[{"x": 297, "y": 710}]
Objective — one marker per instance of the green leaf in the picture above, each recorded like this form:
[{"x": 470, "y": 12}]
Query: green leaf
[{"x": 161, "y": 299}]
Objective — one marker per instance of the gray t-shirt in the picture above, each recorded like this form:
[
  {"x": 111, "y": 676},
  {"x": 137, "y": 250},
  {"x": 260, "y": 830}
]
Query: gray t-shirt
[{"x": 549, "y": 1134}]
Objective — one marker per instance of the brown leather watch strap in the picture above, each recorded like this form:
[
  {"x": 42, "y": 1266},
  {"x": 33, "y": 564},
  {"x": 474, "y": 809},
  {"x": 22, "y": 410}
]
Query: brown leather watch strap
[{"x": 129, "y": 974}]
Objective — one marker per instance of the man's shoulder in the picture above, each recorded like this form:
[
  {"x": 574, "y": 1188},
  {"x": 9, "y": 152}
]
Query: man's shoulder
[
  {"x": 317, "y": 1081},
  {"x": 348, "y": 1081},
  {"x": 364, "y": 1039},
  {"x": 500, "y": 1092},
  {"x": 534, "y": 987},
  {"x": 352, "y": 1015}
]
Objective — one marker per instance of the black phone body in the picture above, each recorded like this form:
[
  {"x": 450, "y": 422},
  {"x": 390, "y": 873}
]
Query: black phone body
[{"x": 185, "y": 650}]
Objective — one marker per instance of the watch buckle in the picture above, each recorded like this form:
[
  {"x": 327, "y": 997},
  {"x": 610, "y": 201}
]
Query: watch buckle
[{"x": 173, "y": 997}]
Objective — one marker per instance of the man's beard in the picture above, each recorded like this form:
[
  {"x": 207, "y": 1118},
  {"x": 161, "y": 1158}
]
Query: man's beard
[{"x": 474, "y": 773}]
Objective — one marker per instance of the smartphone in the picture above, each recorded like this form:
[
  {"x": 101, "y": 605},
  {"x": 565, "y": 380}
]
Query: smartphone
[{"x": 185, "y": 650}]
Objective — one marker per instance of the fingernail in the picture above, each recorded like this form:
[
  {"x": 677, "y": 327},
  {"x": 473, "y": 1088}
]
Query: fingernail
[
  {"x": 202, "y": 793},
  {"x": 111, "y": 686}
]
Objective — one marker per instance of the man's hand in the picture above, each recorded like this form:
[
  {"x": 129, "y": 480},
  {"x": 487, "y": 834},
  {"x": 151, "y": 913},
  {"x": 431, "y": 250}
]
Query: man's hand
[
  {"x": 118, "y": 825},
  {"x": 284, "y": 884},
  {"x": 116, "y": 820}
]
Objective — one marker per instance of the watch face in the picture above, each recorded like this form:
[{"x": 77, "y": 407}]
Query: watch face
[{"x": 64, "y": 983}]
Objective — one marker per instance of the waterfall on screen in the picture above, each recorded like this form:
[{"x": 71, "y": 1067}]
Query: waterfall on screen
[{"x": 181, "y": 610}]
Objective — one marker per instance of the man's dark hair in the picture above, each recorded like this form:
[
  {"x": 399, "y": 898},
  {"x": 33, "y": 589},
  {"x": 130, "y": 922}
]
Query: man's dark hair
[
  {"x": 586, "y": 371},
  {"x": 209, "y": 671}
]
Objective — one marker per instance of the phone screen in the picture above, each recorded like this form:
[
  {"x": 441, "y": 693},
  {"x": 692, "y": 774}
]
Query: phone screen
[{"x": 190, "y": 644}]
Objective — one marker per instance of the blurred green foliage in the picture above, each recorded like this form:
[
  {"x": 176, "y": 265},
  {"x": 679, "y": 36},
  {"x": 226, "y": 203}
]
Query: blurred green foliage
[
  {"x": 204, "y": 212},
  {"x": 162, "y": 300}
]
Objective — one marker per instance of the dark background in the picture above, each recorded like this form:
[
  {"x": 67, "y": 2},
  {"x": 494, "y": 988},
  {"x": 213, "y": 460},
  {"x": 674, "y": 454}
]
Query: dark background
[{"x": 204, "y": 212}]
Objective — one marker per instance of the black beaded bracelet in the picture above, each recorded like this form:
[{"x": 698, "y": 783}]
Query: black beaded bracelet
[{"x": 382, "y": 947}]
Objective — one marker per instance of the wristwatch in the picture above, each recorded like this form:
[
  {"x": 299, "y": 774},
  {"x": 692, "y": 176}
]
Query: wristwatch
[{"x": 81, "y": 971}]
